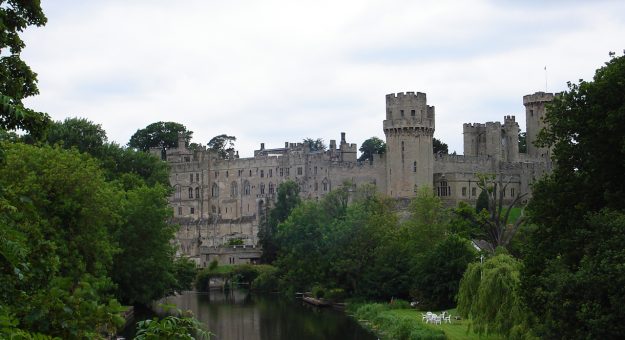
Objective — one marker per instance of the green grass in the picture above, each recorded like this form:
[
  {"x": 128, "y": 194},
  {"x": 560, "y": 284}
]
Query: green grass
[
  {"x": 514, "y": 214},
  {"x": 457, "y": 330}
]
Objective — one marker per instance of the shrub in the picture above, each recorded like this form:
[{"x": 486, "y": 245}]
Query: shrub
[
  {"x": 267, "y": 280},
  {"x": 335, "y": 294},
  {"x": 318, "y": 292}
]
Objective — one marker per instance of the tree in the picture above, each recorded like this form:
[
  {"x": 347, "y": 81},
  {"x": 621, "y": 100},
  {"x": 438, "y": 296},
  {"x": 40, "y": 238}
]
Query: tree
[
  {"x": 144, "y": 269},
  {"x": 438, "y": 273},
  {"x": 439, "y": 147},
  {"x": 370, "y": 147},
  {"x": 315, "y": 144},
  {"x": 162, "y": 135},
  {"x": 428, "y": 221},
  {"x": 489, "y": 296},
  {"x": 584, "y": 127},
  {"x": 223, "y": 145},
  {"x": 17, "y": 80},
  {"x": 523, "y": 142},
  {"x": 58, "y": 216},
  {"x": 287, "y": 199},
  {"x": 81, "y": 133},
  {"x": 494, "y": 219}
]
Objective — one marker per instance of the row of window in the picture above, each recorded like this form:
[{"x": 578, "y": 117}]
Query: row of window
[
  {"x": 195, "y": 177},
  {"x": 444, "y": 190}
]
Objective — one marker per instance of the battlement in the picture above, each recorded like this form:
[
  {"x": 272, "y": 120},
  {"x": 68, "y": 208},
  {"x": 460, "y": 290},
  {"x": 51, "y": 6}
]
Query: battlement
[
  {"x": 406, "y": 98},
  {"x": 537, "y": 97},
  {"x": 509, "y": 119}
]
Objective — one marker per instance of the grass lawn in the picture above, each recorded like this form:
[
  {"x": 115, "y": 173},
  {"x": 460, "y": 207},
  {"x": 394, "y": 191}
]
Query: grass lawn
[
  {"x": 514, "y": 214},
  {"x": 457, "y": 330}
]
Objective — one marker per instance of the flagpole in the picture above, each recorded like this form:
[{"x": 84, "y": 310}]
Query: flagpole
[{"x": 546, "y": 79}]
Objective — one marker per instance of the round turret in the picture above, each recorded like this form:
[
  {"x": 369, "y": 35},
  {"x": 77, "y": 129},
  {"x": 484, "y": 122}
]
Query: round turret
[{"x": 409, "y": 129}]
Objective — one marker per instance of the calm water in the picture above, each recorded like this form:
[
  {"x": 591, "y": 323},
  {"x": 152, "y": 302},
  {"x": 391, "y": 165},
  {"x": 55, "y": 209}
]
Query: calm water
[{"x": 240, "y": 315}]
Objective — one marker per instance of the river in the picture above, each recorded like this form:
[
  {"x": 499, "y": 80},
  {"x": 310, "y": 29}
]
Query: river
[{"x": 241, "y": 315}]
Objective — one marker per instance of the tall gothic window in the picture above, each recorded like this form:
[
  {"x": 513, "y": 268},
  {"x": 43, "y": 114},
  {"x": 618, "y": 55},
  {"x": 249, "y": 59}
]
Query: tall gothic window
[
  {"x": 262, "y": 188},
  {"x": 271, "y": 188},
  {"x": 215, "y": 190},
  {"x": 197, "y": 192},
  {"x": 246, "y": 188},
  {"x": 190, "y": 192},
  {"x": 234, "y": 189}
]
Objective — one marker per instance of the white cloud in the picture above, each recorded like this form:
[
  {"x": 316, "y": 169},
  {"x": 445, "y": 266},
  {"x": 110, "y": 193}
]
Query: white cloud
[{"x": 276, "y": 71}]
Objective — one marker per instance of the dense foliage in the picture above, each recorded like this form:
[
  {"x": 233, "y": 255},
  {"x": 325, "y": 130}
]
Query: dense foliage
[
  {"x": 59, "y": 218},
  {"x": 314, "y": 144},
  {"x": 573, "y": 277},
  {"x": 362, "y": 250},
  {"x": 438, "y": 147},
  {"x": 287, "y": 199},
  {"x": 370, "y": 147},
  {"x": 17, "y": 80},
  {"x": 223, "y": 145},
  {"x": 163, "y": 135},
  {"x": 489, "y": 295}
]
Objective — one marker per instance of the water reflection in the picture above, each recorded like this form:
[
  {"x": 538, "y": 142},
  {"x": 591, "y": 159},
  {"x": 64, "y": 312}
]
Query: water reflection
[{"x": 239, "y": 315}]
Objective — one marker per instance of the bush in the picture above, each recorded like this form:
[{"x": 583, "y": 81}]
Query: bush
[
  {"x": 318, "y": 292},
  {"x": 399, "y": 304},
  {"x": 244, "y": 273},
  {"x": 267, "y": 280},
  {"x": 335, "y": 294},
  {"x": 202, "y": 280}
]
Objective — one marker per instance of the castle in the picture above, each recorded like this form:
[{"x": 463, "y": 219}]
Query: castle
[{"x": 217, "y": 200}]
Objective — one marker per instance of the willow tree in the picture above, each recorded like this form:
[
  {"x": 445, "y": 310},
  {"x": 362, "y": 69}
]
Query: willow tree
[{"x": 489, "y": 298}]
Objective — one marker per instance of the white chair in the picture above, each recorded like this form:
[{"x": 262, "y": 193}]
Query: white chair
[
  {"x": 436, "y": 319},
  {"x": 447, "y": 318},
  {"x": 424, "y": 317}
]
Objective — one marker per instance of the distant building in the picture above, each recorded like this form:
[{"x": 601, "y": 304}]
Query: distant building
[{"x": 218, "y": 200}]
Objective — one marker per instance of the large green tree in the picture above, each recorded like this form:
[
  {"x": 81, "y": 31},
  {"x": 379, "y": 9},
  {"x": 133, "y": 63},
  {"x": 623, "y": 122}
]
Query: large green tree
[
  {"x": 144, "y": 269},
  {"x": 573, "y": 266},
  {"x": 489, "y": 296},
  {"x": 287, "y": 199},
  {"x": 80, "y": 133},
  {"x": 162, "y": 135},
  {"x": 223, "y": 145},
  {"x": 17, "y": 80},
  {"x": 439, "y": 148},
  {"x": 58, "y": 216},
  {"x": 370, "y": 147},
  {"x": 315, "y": 144}
]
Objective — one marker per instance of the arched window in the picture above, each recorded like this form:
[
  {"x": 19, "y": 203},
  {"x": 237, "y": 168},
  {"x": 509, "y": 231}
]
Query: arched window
[
  {"x": 177, "y": 192},
  {"x": 246, "y": 188},
  {"x": 190, "y": 192},
  {"x": 215, "y": 190},
  {"x": 197, "y": 192},
  {"x": 262, "y": 188},
  {"x": 271, "y": 188},
  {"x": 325, "y": 184},
  {"x": 234, "y": 189}
]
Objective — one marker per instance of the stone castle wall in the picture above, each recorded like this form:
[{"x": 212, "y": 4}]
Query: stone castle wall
[{"x": 217, "y": 200}]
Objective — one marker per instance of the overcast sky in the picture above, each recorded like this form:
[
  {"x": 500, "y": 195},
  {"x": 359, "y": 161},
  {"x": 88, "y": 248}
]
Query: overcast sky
[{"x": 275, "y": 71}]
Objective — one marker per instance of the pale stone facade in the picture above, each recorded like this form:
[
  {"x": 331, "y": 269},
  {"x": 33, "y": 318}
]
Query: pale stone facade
[{"x": 217, "y": 200}]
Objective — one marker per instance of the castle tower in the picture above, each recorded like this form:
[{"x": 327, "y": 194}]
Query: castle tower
[
  {"x": 534, "y": 115},
  {"x": 409, "y": 129},
  {"x": 510, "y": 139}
]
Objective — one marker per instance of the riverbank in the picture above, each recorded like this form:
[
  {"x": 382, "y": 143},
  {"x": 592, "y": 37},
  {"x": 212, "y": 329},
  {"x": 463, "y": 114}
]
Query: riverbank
[{"x": 398, "y": 322}]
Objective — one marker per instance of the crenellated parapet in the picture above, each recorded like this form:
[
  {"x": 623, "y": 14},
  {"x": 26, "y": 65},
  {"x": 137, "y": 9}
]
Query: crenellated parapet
[{"x": 538, "y": 97}]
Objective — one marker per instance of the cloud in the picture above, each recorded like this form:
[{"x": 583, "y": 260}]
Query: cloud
[{"x": 276, "y": 71}]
